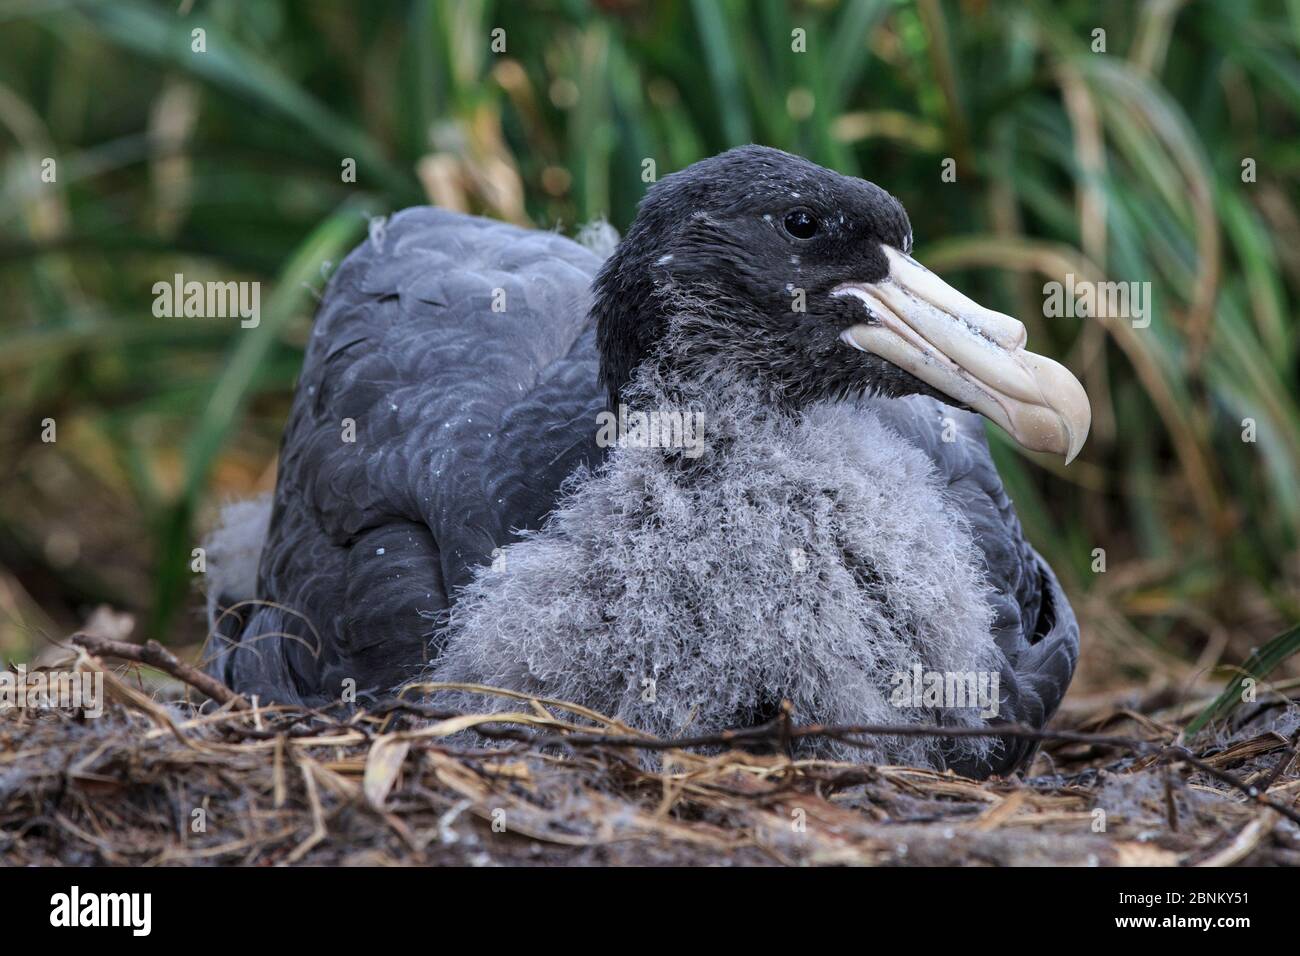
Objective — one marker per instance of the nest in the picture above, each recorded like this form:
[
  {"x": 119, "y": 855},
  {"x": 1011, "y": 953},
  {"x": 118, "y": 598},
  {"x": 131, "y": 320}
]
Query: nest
[{"x": 159, "y": 781}]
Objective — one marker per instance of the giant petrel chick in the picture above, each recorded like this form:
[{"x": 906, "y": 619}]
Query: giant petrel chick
[{"x": 735, "y": 464}]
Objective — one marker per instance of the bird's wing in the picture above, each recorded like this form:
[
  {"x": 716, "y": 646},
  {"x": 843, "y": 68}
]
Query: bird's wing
[
  {"x": 1034, "y": 625},
  {"x": 449, "y": 387}
]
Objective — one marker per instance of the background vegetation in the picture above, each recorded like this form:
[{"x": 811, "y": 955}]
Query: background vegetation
[{"x": 1125, "y": 164}]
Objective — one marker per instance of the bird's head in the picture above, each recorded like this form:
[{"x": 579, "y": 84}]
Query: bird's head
[{"x": 808, "y": 285}]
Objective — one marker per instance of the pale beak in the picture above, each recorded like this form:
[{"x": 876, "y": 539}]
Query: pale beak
[{"x": 916, "y": 321}]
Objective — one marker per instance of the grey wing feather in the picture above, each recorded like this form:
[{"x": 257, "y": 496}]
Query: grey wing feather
[{"x": 448, "y": 389}]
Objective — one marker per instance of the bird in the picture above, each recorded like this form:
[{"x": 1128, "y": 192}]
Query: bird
[{"x": 736, "y": 465}]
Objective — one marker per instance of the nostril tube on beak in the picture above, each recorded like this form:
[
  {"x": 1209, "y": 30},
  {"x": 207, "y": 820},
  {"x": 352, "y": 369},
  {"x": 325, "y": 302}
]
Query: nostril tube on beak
[
  {"x": 1002, "y": 330},
  {"x": 1005, "y": 331},
  {"x": 974, "y": 355},
  {"x": 1017, "y": 334}
]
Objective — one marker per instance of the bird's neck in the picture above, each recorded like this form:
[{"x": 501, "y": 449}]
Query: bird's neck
[
  {"x": 696, "y": 423},
  {"x": 670, "y": 348}
]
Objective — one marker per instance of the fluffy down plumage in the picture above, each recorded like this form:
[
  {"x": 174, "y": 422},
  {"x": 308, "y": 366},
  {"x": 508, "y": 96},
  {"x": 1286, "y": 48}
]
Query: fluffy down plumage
[{"x": 806, "y": 557}]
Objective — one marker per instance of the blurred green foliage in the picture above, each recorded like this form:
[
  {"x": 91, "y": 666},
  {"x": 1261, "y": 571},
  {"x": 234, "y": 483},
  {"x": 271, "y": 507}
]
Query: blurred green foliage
[{"x": 1126, "y": 164}]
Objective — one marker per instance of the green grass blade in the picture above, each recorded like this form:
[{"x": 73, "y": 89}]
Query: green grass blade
[
  {"x": 156, "y": 33},
  {"x": 723, "y": 71},
  {"x": 1258, "y": 666}
]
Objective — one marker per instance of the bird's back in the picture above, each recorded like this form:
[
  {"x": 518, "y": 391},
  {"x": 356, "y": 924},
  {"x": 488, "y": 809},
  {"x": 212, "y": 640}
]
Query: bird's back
[{"x": 448, "y": 389}]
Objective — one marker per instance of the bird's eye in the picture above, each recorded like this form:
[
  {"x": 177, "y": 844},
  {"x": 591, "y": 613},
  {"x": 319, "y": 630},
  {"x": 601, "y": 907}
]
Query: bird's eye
[{"x": 801, "y": 224}]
